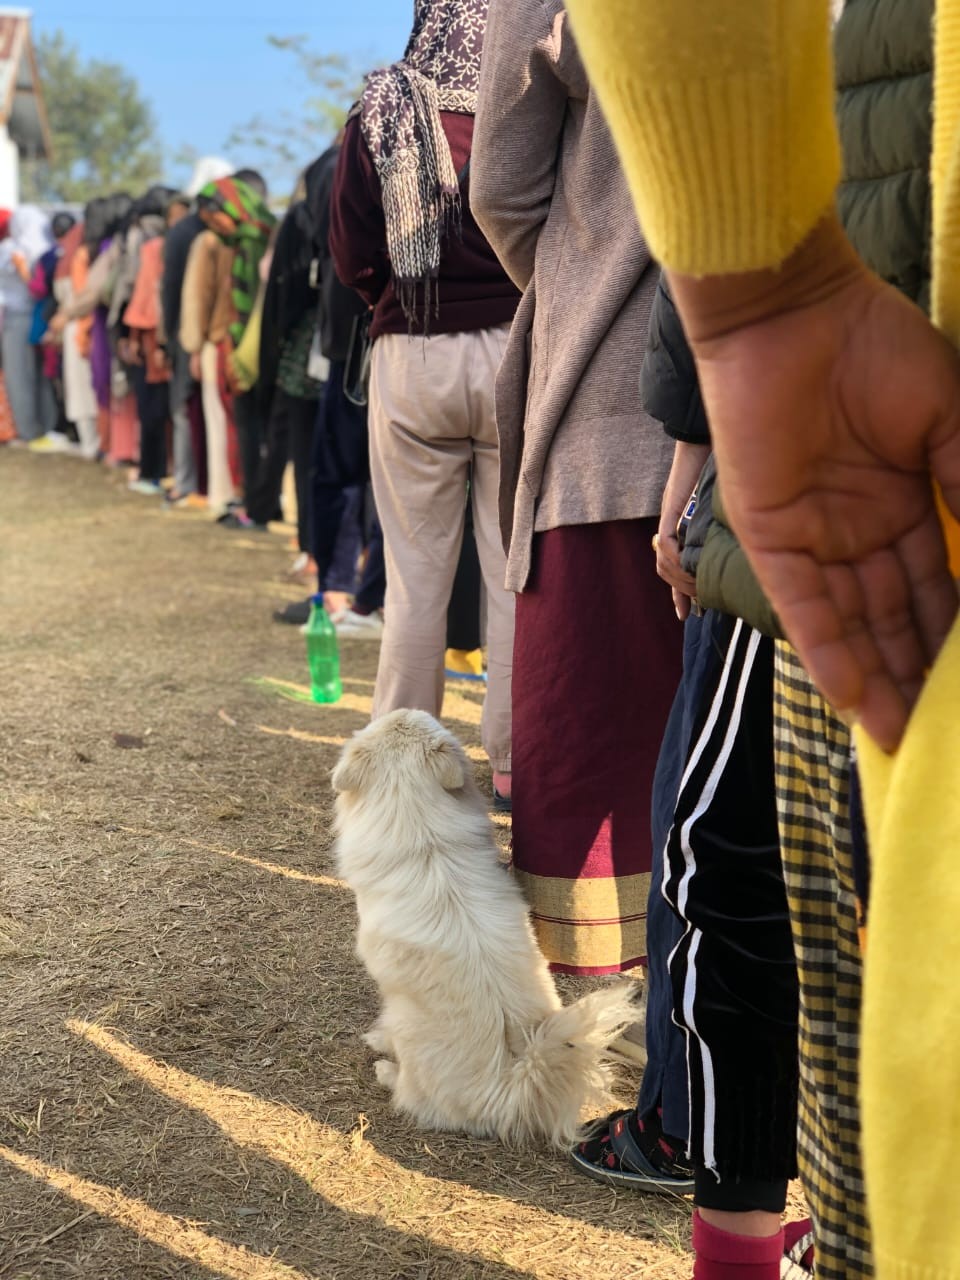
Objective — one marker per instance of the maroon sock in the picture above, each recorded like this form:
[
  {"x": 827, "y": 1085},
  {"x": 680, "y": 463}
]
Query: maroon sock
[{"x": 721, "y": 1255}]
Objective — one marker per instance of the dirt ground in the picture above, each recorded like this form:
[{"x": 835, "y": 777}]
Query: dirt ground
[{"x": 183, "y": 1089}]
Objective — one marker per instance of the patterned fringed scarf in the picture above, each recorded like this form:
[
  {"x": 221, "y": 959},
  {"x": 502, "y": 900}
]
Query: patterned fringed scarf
[
  {"x": 252, "y": 223},
  {"x": 400, "y": 120}
]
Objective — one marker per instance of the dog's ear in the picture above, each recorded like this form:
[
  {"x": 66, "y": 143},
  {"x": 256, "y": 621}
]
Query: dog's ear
[
  {"x": 447, "y": 765},
  {"x": 353, "y": 769}
]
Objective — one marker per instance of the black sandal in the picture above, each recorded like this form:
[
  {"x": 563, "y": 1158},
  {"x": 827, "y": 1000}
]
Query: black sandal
[
  {"x": 611, "y": 1153},
  {"x": 502, "y": 804}
]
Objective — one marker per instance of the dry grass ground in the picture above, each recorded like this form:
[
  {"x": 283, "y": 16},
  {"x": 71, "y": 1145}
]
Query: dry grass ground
[{"x": 183, "y": 1090}]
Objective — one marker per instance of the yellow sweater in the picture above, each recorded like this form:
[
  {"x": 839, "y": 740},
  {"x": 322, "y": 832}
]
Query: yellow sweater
[{"x": 723, "y": 111}]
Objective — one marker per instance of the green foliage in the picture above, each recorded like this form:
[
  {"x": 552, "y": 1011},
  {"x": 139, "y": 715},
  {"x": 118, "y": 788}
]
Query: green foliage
[
  {"x": 282, "y": 146},
  {"x": 103, "y": 131}
]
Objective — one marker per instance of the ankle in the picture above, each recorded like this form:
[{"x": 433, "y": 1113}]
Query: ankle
[
  {"x": 756, "y": 1224},
  {"x": 745, "y": 1249},
  {"x": 503, "y": 784},
  {"x": 336, "y": 601}
]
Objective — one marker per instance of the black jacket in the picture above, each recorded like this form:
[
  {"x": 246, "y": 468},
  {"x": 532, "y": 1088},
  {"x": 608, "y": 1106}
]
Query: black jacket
[
  {"x": 291, "y": 293},
  {"x": 176, "y": 251},
  {"x": 340, "y": 307},
  {"x": 669, "y": 386}
]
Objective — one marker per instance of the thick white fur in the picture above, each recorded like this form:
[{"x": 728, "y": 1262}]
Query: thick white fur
[{"x": 472, "y": 1033}]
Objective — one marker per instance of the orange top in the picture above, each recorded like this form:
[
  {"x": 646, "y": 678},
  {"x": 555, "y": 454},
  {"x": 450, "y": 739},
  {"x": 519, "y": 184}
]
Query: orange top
[{"x": 79, "y": 271}]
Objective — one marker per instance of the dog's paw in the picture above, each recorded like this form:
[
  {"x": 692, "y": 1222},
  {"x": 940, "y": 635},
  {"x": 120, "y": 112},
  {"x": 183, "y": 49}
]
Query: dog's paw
[
  {"x": 386, "y": 1073},
  {"x": 378, "y": 1040}
]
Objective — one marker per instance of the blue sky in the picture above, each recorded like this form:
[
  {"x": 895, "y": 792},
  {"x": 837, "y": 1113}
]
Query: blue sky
[{"x": 206, "y": 66}]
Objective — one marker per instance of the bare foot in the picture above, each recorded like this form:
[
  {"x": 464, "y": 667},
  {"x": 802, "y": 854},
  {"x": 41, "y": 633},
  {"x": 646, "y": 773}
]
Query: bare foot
[{"x": 335, "y": 602}]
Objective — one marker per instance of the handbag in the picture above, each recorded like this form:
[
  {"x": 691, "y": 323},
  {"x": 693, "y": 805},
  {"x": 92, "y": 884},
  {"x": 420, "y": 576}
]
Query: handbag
[{"x": 356, "y": 369}]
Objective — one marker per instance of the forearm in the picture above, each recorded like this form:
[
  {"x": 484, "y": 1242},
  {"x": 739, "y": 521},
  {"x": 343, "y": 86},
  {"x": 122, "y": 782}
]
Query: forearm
[
  {"x": 358, "y": 233},
  {"x": 688, "y": 461},
  {"x": 742, "y": 193}
]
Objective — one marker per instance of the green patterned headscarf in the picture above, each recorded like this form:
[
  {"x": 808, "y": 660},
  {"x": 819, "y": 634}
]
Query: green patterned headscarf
[{"x": 252, "y": 223}]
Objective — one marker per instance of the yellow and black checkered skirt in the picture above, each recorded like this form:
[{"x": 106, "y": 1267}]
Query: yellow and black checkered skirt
[{"x": 812, "y": 759}]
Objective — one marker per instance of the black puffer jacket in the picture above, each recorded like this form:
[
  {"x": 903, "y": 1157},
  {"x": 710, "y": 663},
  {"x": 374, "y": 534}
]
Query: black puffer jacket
[{"x": 669, "y": 386}]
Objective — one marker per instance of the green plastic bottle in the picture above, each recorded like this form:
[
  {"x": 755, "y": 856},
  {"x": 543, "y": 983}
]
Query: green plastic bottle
[{"x": 323, "y": 654}]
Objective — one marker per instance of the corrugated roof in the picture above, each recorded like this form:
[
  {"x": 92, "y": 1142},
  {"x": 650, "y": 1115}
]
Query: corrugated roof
[{"x": 21, "y": 95}]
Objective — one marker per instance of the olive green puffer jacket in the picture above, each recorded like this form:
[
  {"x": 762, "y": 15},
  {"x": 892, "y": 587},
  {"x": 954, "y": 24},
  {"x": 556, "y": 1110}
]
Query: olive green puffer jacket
[
  {"x": 884, "y": 63},
  {"x": 884, "y": 60}
]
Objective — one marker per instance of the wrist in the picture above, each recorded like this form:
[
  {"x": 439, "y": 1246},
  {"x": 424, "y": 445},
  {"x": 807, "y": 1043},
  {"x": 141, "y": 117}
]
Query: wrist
[
  {"x": 714, "y": 306},
  {"x": 688, "y": 462}
]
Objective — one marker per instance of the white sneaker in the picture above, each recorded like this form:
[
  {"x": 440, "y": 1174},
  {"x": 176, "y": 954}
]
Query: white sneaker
[{"x": 351, "y": 625}]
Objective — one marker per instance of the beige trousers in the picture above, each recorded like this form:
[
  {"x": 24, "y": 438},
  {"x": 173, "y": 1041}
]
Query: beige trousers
[
  {"x": 432, "y": 419},
  {"x": 220, "y": 490}
]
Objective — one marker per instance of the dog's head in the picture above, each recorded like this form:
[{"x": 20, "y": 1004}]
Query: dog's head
[{"x": 405, "y": 752}]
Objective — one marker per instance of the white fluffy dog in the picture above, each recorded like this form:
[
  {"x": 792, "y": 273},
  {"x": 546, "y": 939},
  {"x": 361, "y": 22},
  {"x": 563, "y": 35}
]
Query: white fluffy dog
[{"x": 473, "y": 1034}]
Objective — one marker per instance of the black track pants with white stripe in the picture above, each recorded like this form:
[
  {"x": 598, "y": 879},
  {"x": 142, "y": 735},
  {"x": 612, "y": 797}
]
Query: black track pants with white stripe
[{"x": 733, "y": 973}]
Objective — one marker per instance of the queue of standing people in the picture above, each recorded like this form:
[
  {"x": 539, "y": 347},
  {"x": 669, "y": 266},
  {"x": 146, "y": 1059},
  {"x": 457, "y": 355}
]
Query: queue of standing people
[
  {"x": 199, "y": 343},
  {"x": 462, "y": 306}
]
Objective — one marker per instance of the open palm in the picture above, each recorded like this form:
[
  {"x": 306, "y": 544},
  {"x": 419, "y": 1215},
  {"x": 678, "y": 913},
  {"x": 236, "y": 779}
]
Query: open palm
[{"x": 829, "y": 420}]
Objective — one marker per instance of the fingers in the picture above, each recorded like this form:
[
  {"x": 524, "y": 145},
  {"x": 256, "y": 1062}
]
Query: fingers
[
  {"x": 670, "y": 567},
  {"x": 867, "y": 633},
  {"x": 876, "y": 599},
  {"x": 934, "y": 600},
  {"x": 908, "y": 605},
  {"x": 824, "y": 615},
  {"x": 944, "y": 444}
]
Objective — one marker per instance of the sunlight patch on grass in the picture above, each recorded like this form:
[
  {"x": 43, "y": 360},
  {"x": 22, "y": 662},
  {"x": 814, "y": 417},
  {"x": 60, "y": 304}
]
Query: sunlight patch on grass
[
  {"x": 275, "y": 868},
  {"x": 294, "y": 692},
  {"x": 262, "y": 864},
  {"x": 301, "y": 735},
  {"x": 173, "y": 1234},
  {"x": 460, "y": 708},
  {"x": 350, "y": 1173}
]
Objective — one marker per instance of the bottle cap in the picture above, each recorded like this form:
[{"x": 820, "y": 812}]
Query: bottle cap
[{"x": 317, "y": 600}]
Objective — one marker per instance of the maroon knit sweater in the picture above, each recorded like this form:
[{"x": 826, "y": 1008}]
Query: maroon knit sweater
[{"x": 474, "y": 290}]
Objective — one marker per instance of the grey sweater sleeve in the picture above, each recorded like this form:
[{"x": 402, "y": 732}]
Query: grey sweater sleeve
[{"x": 516, "y": 139}]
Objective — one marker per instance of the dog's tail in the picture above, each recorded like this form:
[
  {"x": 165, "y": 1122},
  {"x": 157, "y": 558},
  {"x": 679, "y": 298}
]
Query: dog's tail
[{"x": 562, "y": 1067}]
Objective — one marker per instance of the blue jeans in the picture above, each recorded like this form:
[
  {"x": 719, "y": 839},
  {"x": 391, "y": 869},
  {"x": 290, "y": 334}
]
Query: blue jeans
[{"x": 343, "y": 517}]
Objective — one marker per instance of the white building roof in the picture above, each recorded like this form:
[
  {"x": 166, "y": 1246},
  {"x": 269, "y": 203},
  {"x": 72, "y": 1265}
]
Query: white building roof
[{"x": 21, "y": 96}]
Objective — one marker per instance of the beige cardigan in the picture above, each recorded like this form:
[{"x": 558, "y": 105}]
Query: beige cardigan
[{"x": 547, "y": 189}]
